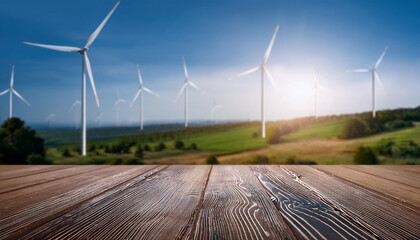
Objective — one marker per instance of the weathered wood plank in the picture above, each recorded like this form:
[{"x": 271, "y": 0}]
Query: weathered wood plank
[
  {"x": 18, "y": 222},
  {"x": 160, "y": 207},
  {"x": 404, "y": 192},
  {"x": 308, "y": 215},
  {"x": 38, "y": 178},
  {"x": 25, "y": 197},
  {"x": 236, "y": 206},
  {"x": 16, "y": 171},
  {"x": 386, "y": 217}
]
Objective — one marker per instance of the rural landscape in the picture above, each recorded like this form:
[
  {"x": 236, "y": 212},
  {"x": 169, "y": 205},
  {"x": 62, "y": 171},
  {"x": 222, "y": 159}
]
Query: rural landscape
[{"x": 209, "y": 120}]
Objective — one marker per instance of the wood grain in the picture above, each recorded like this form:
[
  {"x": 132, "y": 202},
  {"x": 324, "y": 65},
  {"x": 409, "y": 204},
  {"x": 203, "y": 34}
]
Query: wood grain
[
  {"x": 160, "y": 207},
  {"x": 385, "y": 217},
  {"x": 236, "y": 206},
  {"x": 309, "y": 216},
  {"x": 15, "y": 171},
  {"x": 16, "y": 223}
]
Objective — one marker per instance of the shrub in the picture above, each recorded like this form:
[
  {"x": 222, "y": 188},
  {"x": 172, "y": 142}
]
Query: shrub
[
  {"x": 178, "y": 144},
  {"x": 139, "y": 152},
  {"x": 254, "y": 134},
  {"x": 66, "y": 152},
  {"x": 364, "y": 155},
  {"x": 146, "y": 147},
  {"x": 160, "y": 147},
  {"x": 97, "y": 161},
  {"x": 355, "y": 128},
  {"x": 115, "y": 161},
  {"x": 294, "y": 160},
  {"x": 134, "y": 161},
  {"x": 92, "y": 148},
  {"x": 77, "y": 149},
  {"x": 193, "y": 146},
  {"x": 122, "y": 146},
  {"x": 275, "y": 137},
  {"x": 398, "y": 124},
  {"x": 384, "y": 147},
  {"x": 260, "y": 159},
  {"x": 404, "y": 149},
  {"x": 37, "y": 159},
  {"x": 212, "y": 159},
  {"x": 17, "y": 142}
]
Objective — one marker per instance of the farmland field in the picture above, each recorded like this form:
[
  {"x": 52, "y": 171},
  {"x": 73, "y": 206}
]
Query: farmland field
[{"x": 212, "y": 202}]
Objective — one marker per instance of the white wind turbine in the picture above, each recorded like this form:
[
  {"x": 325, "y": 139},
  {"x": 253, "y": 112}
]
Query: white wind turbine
[
  {"x": 263, "y": 69},
  {"x": 75, "y": 112},
  {"x": 49, "y": 118},
  {"x": 85, "y": 65},
  {"x": 374, "y": 76},
  {"x": 213, "y": 110},
  {"x": 140, "y": 92},
  {"x": 316, "y": 88},
  {"x": 117, "y": 104},
  {"x": 185, "y": 87},
  {"x": 13, "y": 91}
]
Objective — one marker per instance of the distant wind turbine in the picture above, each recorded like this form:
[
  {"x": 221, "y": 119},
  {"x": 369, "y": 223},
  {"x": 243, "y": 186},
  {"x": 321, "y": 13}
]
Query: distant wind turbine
[
  {"x": 13, "y": 91},
  {"x": 116, "y": 104},
  {"x": 98, "y": 119},
  {"x": 263, "y": 70},
  {"x": 140, "y": 92},
  {"x": 85, "y": 65},
  {"x": 185, "y": 87},
  {"x": 316, "y": 88},
  {"x": 374, "y": 76},
  {"x": 75, "y": 113},
  {"x": 213, "y": 110},
  {"x": 49, "y": 118}
]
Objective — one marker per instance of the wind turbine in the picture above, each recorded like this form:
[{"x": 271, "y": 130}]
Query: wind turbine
[
  {"x": 13, "y": 91},
  {"x": 116, "y": 104},
  {"x": 187, "y": 82},
  {"x": 85, "y": 65},
  {"x": 140, "y": 92},
  {"x": 213, "y": 110},
  {"x": 374, "y": 76},
  {"x": 98, "y": 119},
  {"x": 263, "y": 69},
  {"x": 316, "y": 88},
  {"x": 49, "y": 118},
  {"x": 75, "y": 113}
]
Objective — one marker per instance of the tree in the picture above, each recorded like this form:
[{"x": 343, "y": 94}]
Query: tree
[
  {"x": 17, "y": 142},
  {"x": 211, "y": 159},
  {"x": 179, "y": 144},
  {"x": 355, "y": 128}
]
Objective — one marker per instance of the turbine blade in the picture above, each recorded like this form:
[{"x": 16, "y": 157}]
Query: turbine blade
[
  {"x": 267, "y": 53},
  {"x": 359, "y": 70},
  {"x": 89, "y": 70},
  {"x": 180, "y": 92},
  {"x": 380, "y": 83},
  {"x": 135, "y": 97},
  {"x": 12, "y": 78},
  {"x": 4, "y": 92},
  {"x": 150, "y": 91},
  {"x": 138, "y": 71},
  {"x": 246, "y": 72},
  {"x": 19, "y": 96},
  {"x": 271, "y": 79},
  {"x": 98, "y": 30},
  {"x": 55, "y": 47},
  {"x": 196, "y": 87},
  {"x": 380, "y": 59},
  {"x": 185, "y": 68},
  {"x": 312, "y": 95}
]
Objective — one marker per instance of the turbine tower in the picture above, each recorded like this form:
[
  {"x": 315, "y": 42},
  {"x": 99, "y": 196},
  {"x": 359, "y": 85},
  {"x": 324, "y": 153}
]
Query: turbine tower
[
  {"x": 116, "y": 104},
  {"x": 213, "y": 110},
  {"x": 316, "y": 88},
  {"x": 185, "y": 87},
  {"x": 85, "y": 66},
  {"x": 140, "y": 92},
  {"x": 263, "y": 69},
  {"x": 374, "y": 76},
  {"x": 13, "y": 91},
  {"x": 75, "y": 113}
]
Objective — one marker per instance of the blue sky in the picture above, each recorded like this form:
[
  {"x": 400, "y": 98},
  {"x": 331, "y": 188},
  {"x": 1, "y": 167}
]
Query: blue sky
[{"x": 219, "y": 39}]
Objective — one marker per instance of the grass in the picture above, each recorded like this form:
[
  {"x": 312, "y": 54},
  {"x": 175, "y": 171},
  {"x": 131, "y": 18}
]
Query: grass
[{"x": 324, "y": 130}]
